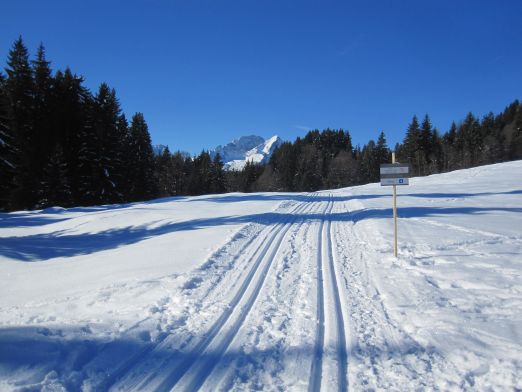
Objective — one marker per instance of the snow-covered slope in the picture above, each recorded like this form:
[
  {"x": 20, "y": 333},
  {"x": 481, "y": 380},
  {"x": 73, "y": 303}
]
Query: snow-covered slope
[
  {"x": 254, "y": 149},
  {"x": 270, "y": 291}
]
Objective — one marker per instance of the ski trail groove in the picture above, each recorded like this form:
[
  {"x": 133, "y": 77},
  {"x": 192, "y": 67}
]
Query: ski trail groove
[
  {"x": 342, "y": 360},
  {"x": 314, "y": 383},
  {"x": 135, "y": 360},
  {"x": 191, "y": 374},
  {"x": 228, "y": 374},
  {"x": 329, "y": 366}
]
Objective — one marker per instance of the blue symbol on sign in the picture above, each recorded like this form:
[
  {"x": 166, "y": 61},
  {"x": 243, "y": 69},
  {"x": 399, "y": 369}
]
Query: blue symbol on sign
[{"x": 401, "y": 180}]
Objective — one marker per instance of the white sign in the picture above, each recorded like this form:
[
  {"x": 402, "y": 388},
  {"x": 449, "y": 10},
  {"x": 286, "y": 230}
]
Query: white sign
[
  {"x": 394, "y": 181},
  {"x": 395, "y": 169},
  {"x": 394, "y": 174}
]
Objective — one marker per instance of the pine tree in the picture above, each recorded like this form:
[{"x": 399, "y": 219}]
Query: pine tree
[
  {"x": 343, "y": 171},
  {"x": 494, "y": 140},
  {"x": 7, "y": 152},
  {"x": 426, "y": 149},
  {"x": 412, "y": 147},
  {"x": 382, "y": 152},
  {"x": 142, "y": 172},
  {"x": 124, "y": 157},
  {"x": 514, "y": 148},
  {"x": 283, "y": 163},
  {"x": 188, "y": 174},
  {"x": 110, "y": 173},
  {"x": 201, "y": 178},
  {"x": 19, "y": 87},
  {"x": 217, "y": 176},
  {"x": 164, "y": 173},
  {"x": 44, "y": 138},
  {"x": 55, "y": 189},
  {"x": 70, "y": 111},
  {"x": 179, "y": 174},
  {"x": 89, "y": 162},
  {"x": 471, "y": 140},
  {"x": 309, "y": 173},
  {"x": 369, "y": 166},
  {"x": 449, "y": 149}
]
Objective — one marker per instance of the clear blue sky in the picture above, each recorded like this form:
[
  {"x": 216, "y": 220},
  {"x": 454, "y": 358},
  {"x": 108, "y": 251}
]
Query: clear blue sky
[{"x": 206, "y": 71}]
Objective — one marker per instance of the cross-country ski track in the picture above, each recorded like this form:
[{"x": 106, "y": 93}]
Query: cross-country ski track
[
  {"x": 209, "y": 362},
  {"x": 273, "y": 291}
]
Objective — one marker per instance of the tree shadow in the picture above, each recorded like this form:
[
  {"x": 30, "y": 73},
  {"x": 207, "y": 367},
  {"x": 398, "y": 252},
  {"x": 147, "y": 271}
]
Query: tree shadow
[
  {"x": 54, "y": 214},
  {"x": 461, "y": 195},
  {"x": 40, "y": 247},
  {"x": 27, "y": 220},
  {"x": 297, "y": 197},
  {"x": 32, "y": 356}
]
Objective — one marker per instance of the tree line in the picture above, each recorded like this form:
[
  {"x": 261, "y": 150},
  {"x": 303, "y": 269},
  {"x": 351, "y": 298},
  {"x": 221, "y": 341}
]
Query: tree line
[
  {"x": 327, "y": 159},
  {"x": 61, "y": 144}
]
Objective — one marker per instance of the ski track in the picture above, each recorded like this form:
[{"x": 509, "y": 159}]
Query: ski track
[
  {"x": 272, "y": 349},
  {"x": 197, "y": 372},
  {"x": 124, "y": 378},
  {"x": 271, "y": 340},
  {"x": 329, "y": 366}
]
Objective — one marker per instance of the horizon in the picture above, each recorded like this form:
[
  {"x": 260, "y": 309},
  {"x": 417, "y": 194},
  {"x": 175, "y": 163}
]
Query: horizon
[{"x": 205, "y": 74}]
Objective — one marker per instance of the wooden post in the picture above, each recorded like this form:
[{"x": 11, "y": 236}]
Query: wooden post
[{"x": 394, "y": 211}]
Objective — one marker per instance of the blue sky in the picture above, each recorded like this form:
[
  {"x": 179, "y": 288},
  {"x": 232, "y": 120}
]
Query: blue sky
[{"x": 204, "y": 72}]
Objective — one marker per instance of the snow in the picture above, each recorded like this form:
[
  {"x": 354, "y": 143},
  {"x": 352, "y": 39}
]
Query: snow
[{"x": 271, "y": 291}]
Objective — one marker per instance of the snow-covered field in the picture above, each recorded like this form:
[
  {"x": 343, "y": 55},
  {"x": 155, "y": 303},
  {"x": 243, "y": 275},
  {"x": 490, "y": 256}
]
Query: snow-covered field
[{"x": 270, "y": 291}]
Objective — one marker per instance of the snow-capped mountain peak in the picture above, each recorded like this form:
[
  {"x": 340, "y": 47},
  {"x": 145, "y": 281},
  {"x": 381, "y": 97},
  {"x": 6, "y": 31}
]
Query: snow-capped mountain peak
[{"x": 251, "y": 148}]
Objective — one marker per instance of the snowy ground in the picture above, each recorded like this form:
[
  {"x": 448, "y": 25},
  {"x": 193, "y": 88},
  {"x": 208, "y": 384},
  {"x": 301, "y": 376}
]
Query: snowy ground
[{"x": 270, "y": 291}]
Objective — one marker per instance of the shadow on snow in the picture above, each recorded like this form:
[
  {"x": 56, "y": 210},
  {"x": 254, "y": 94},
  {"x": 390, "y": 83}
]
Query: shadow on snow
[
  {"x": 39, "y": 247},
  {"x": 32, "y": 356}
]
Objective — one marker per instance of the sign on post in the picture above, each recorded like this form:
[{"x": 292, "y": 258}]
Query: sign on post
[{"x": 394, "y": 174}]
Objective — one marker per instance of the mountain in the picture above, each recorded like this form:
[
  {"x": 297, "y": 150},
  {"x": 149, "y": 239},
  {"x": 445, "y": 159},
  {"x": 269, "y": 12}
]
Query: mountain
[{"x": 251, "y": 148}]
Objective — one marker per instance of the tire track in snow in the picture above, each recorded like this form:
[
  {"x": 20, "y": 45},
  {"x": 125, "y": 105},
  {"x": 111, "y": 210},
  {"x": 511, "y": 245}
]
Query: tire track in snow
[
  {"x": 112, "y": 380},
  {"x": 329, "y": 366},
  {"x": 193, "y": 372}
]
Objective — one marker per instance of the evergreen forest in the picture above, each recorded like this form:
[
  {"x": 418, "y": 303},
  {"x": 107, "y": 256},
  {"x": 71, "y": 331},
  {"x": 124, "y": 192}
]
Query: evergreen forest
[{"x": 64, "y": 145}]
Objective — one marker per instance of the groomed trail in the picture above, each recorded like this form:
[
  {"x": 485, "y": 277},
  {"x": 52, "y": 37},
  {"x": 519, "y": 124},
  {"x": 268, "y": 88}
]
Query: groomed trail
[{"x": 268, "y": 309}]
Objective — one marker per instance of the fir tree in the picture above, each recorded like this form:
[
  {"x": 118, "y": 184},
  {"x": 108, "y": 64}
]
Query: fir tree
[
  {"x": 19, "y": 87},
  {"x": 70, "y": 110},
  {"x": 55, "y": 189},
  {"x": 343, "y": 171},
  {"x": 217, "y": 176},
  {"x": 142, "y": 171},
  {"x": 412, "y": 147},
  {"x": 42, "y": 122},
  {"x": 369, "y": 165},
  {"x": 309, "y": 171},
  {"x": 111, "y": 137},
  {"x": 179, "y": 174},
  {"x": 449, "y": 149},
  {"x": 7, "y": 152},
  {"x": 382, "y": 152},
  {"x": 164, "y": 173}
]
